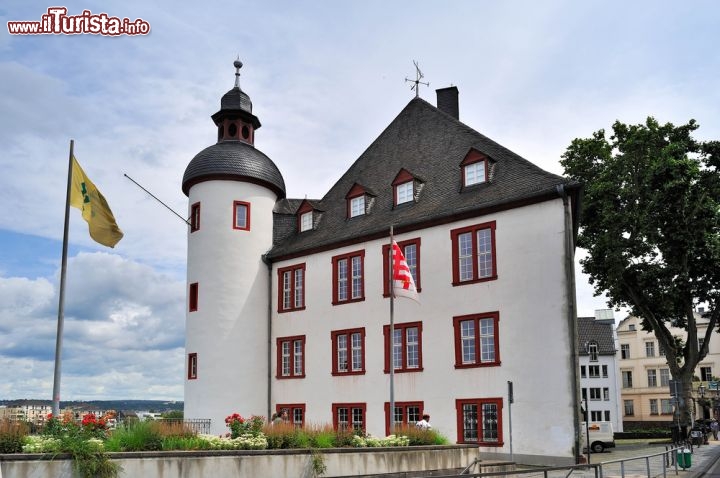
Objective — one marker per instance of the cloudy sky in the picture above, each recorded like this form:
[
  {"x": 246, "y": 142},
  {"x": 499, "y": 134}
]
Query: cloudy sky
[{"x": 325, "y": 78}]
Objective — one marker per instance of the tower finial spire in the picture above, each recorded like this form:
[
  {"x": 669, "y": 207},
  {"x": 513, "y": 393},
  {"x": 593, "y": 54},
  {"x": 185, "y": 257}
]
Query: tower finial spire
[
  {"x": 418, "y": 77},
  {"x": 238, "y": 64}
]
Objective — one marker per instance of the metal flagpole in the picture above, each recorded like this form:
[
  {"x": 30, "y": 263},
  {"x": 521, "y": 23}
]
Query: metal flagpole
[
  {"x": 392, "y": 333},
  {"x": 61, "y": 305}
]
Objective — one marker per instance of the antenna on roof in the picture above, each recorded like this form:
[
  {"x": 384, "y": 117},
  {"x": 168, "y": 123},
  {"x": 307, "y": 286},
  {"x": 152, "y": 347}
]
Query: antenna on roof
[
  {"x": 418, "y": 77},
  {"x": 237, "y": 64}
]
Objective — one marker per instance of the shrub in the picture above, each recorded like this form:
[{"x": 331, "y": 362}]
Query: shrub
[
  {"x": 136, "y": 436},
  {"x": 279, "y": 436},
  {"x": 244, "y": 442},
  {"x": 420, "y": 436},
  {"x": 321, "y": 436},
  {"x": 12, "y": 436}
]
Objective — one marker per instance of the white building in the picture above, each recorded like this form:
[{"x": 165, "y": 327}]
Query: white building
[
  {"x": 599, "y": 371},
  {"x": 288, "y": 304}
]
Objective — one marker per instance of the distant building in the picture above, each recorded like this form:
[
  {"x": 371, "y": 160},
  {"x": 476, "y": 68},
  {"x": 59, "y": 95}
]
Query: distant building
[
  {"x": 645, "y": 375},
  {"x": 599, "y": 374},
  {"x": 33, "y": 411},
  {"x": 288, "y": 300}
]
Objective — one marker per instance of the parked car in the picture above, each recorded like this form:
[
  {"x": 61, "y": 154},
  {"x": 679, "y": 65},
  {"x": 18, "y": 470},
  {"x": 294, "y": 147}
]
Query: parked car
[{"x": 602, "y": 436}]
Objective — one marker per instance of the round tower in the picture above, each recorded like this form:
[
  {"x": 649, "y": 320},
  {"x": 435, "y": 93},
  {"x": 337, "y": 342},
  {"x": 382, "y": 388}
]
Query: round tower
[{"x": 232, "y": 189}]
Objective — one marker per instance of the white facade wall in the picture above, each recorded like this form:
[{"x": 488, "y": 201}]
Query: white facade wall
[
  {"x": 611, "y": 382},
  {"x": 535, "y": 349},
  {"x": 229, "y": 330}
]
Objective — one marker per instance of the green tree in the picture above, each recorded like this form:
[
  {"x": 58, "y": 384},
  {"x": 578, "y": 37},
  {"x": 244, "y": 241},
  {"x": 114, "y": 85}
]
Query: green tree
[
  {"x": 650, "y": 222},
  {"x": 173, "y": 414}
]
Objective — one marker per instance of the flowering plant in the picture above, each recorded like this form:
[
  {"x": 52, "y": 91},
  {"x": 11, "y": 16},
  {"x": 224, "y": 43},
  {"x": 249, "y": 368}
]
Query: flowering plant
[
  {"x": 90, "y": 422},
  {"x": 240, "y": 426}
]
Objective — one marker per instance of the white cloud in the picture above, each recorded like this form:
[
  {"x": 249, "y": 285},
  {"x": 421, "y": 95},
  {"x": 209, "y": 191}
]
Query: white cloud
[{"x": 123, "y": 333}]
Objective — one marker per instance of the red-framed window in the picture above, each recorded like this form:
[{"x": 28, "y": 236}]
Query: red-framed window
[
  {"x": 473, "y": 253},
  {"x": 411, "y": 251},
  {"x": 474, "y": 168},
  {"x": 479, "y": 421},
  {"x": 477, "y": 342},
  {"x": 291, "y": 288},
  {"x": 406, "y": 414},
  {"x": 192, "y": 371},
  {"x": 296, "y": 412},
  {"x": 349, "y": 416},
  {"x": 348, "y": 349},
  {"x": 290, "y": 357},
  {"x": 403, "y": 188},
  {"x": 348, "y": 277},
  {"x": 305, "y": 216},
  {"x": 356, "y": 201},
  {"x": 195, "y": 217},
  {"x": 241, "y": 215},
  {"x": 193, "y": 297},
  {"x": 406, "y": 348}
]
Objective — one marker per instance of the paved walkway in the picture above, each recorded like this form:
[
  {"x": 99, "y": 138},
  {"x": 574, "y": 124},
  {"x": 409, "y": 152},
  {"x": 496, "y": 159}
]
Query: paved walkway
[
  {"x": 641, "y": 461},
  {"x": 702, "y": 458}
]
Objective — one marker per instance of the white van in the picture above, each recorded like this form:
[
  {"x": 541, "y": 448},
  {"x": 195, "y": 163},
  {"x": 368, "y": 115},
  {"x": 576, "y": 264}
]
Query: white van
[{"x": 602, "y": 436}]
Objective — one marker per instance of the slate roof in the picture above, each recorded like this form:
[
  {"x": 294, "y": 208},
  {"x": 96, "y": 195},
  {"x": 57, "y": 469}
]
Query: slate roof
[
  {"x": 234, "y": 160},
  {"x": 599, "y": 331},
  {"x": 429, "y": 144}
]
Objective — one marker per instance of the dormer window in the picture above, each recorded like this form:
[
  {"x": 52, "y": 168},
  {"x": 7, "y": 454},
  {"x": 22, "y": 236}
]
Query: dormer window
[
  {"x": 404, "y": 192},
  {"x": 306, "y": 221},
  {"x": 359, "y": 201},
  {"x": 406, "y": 187},
  {"x": 357, "y": 206},
  {"x": 474, "y": 173},
  {"x": 307, "y": 216},
  {"x": 474, "y": 168}
]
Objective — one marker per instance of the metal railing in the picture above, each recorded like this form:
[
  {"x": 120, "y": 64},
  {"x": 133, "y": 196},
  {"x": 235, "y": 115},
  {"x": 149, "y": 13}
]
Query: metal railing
[
  {"x": 651, "y": 466},
  {"x": 198, "y": 425}
]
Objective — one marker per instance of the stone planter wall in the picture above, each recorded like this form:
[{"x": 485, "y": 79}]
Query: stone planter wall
[{"x": 255, "y": 464}]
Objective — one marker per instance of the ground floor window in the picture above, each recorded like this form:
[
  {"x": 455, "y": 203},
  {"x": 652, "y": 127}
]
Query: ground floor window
[
  {"x": 349, "y": 416},
  {"x": 406, "y": 414},
  {"x": 479, "y": 420},
  {"x": 295, "y": 412}
]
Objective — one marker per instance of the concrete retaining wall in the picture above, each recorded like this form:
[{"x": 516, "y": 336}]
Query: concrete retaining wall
[{"x": 254, "y": 464}]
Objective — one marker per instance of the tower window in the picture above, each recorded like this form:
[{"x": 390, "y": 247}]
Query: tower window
[
  {"x": 195, "y": 217},
  {"x": 193, "y": 297},
  {"x": 232, "y": 130},
  {"x": 245, "y": 132},
  {"x": 241, "y": 215},
  {"x": 192, "y": 366}
]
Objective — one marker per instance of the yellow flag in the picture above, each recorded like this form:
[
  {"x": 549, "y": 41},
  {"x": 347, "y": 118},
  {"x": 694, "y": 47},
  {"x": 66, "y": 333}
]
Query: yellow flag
[{"x": 95, "y": 210}]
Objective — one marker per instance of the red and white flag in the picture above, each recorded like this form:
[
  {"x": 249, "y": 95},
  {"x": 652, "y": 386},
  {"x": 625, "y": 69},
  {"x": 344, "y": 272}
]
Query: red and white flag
[{"x": 402, "y": 279}]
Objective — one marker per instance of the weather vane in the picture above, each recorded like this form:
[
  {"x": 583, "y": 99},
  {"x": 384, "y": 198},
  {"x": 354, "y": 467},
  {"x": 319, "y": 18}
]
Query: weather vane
[{"x": 418, "y": 77}]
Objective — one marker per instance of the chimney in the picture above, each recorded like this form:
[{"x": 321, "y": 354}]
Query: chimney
[{"x": 447, "y": 101}]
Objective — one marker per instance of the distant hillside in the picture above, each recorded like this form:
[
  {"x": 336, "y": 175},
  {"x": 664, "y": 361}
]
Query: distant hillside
[{"x": 144, "y": 405}]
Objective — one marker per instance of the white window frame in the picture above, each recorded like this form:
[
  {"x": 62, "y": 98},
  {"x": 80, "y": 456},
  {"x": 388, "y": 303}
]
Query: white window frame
[
  {"x": 357, "y": 206},
  {"x": 405, "y": 192},
  {"x": 306, "y": 221},
  {"x": 475, "y": 173}
]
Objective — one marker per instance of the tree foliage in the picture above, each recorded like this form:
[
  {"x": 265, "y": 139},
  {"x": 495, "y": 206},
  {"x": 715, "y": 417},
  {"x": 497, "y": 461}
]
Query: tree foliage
[{"x": 650, "y": 222}]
